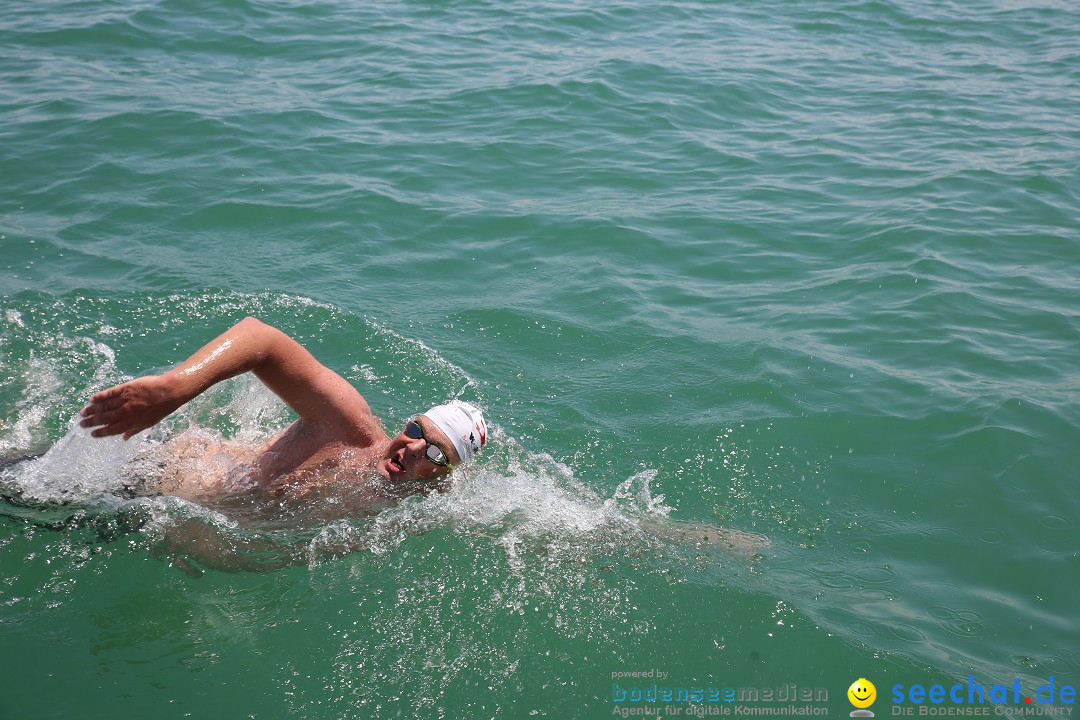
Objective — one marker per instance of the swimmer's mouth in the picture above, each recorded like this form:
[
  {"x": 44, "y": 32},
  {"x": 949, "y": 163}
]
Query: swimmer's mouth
[{"x": 395, "y": 466}]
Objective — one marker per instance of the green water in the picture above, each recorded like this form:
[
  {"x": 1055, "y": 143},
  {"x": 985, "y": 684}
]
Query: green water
[{"x": 808, "y": 270}]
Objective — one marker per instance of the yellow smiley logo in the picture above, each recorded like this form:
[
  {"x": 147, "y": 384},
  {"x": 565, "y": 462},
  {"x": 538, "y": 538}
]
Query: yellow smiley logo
[{"x": 862, "y": 693}]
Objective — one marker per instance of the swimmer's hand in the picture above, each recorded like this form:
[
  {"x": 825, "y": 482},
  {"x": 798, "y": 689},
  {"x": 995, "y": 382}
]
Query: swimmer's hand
[{"x": 131, "y": 407}]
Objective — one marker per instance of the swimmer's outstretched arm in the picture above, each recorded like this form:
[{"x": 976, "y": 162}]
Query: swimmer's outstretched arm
[
  {"x": 324, "y": 400},
  {"x": 702, "y": 535}
]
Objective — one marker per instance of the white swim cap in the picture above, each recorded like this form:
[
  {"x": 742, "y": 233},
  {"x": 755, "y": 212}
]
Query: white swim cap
[{"x": 463, "y": 424}]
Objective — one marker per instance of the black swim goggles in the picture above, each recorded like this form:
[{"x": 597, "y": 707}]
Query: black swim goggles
[{"x": 432, "y": 452}]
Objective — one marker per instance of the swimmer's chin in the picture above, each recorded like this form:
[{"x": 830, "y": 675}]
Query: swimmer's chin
[{"x": 389, "y": 469}]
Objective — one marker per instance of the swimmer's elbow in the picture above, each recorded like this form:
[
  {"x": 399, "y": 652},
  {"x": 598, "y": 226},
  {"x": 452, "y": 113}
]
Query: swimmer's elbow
[
  {"x": 264, "y": 341},
  {"x": 264, "y": 334},
  {"x": 251, "y": 323}
]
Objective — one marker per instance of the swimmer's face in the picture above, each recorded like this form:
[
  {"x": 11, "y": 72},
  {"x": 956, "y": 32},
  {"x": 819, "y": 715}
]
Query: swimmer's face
[{"x": 406, "y": 458}]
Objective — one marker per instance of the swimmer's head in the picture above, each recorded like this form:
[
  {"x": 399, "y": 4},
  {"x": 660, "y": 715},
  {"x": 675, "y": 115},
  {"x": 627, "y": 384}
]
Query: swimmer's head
[
  {"x": 463, "y": 424},
  {"x": 428, "y": 447}
]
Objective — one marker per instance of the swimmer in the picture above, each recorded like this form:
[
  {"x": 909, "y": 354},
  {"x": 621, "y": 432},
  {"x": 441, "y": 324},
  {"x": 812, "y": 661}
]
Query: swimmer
[
  {"x": 336, "y": 450},
  {"x": 336, "y": 438}
]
